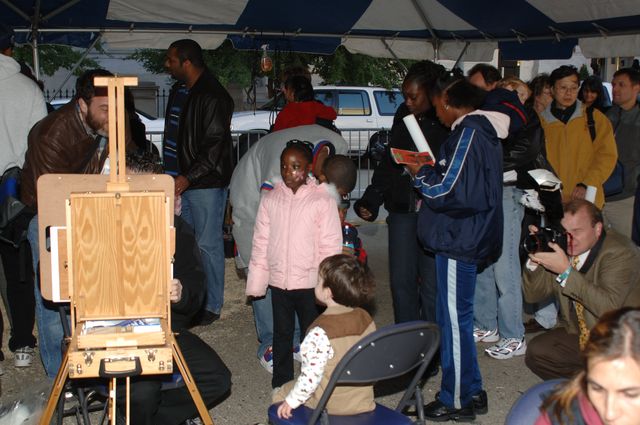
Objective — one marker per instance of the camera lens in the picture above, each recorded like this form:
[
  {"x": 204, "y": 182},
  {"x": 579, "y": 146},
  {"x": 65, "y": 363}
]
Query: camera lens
[{"x": 531, "y": 244}]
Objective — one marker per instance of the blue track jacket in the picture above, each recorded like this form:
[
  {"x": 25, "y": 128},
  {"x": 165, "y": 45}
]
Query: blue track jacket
[{"x": 461, "y": 213}]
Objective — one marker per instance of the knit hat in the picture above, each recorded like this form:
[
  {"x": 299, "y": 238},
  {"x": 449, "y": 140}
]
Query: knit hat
[{"x": 7, "y": 36}]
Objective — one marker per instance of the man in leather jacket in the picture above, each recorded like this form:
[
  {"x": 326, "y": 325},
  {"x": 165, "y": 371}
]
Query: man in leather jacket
[
  {"x": 71, "y": 140},
  {"x": 198, "y": 153}
]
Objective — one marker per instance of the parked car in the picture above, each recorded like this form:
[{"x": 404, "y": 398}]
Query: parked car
[
  {"x": 362, "y": 111},
  {"x": 154, "y": 126}
]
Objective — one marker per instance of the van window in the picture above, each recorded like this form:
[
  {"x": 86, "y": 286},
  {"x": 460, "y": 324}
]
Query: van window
[
  {"x": 354, "y": 102},
  {"x": 388, "y": 101},
  {"x": 324, "y": 96}
]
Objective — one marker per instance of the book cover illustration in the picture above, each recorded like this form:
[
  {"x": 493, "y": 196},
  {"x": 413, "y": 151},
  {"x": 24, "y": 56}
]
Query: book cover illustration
[{"x": 401, "y": 156}]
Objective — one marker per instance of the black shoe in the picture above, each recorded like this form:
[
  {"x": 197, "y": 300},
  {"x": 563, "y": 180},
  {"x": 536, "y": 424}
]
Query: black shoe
[
  {"x": 208, "y": 318},
  {"x": 479, "y": 400},
  {"x": 438, "y": 412},
  {"x": 480, "y": 403}
]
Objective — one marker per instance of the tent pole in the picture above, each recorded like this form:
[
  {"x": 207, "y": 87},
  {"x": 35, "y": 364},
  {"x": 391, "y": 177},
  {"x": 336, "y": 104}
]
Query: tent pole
[
  {"x": 16, "y": 10},
  {"x": 36, "y": 54},
  {"x": 35, "y": 23},
  {"x": 60, "y": 9},
  {"x": 386, "y": 45},
  {"x": 76, "y": 65},
  {"x": 425, "y": 20},
  {"x": 464, "y": 49}
]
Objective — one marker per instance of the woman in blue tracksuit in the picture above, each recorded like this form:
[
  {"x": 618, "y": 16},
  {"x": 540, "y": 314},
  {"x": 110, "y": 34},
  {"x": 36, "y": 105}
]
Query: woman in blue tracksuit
[{"x": 461, "y": 222}]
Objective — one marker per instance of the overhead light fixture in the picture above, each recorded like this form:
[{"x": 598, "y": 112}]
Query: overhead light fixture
[{"x": 266, "y": 64}]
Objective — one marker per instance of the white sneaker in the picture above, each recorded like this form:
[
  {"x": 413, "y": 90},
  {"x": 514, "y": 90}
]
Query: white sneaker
[
  {"x": 266, "y": 360},
  {"x": 24, "y": 356},
  {"x": 507, "y": 348},
  {"x": 480, "y": 335}
]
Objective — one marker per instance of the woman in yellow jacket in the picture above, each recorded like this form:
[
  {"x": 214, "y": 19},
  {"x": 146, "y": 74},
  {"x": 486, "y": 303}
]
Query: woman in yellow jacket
[{"x": 578, "y": 160}]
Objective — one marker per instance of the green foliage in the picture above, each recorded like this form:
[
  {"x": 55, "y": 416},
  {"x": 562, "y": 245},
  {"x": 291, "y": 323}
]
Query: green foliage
[
  {"x": 359, "y": 70},
  {"x": 54, "y": 57},
  {"x": 234, "y": 66},
  {"x": 151, "y": 59},
  {"x": 227, "y": 64},
  {"x": 584, "y": 72},
  {"x": 230, "y": 65}
]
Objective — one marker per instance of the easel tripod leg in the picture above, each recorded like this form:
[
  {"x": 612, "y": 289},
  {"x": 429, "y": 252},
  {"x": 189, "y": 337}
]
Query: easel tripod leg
[
  {"x": 56, "y": 391},
  {"x": 190, "y": 383},
  {"x": 112, "y": 400}
]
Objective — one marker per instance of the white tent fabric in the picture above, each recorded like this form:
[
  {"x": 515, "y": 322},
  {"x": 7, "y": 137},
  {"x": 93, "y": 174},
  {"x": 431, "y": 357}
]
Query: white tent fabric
[
  {"x": 416, "y": 29},
  {"x": 153, "y": 40},
  {"x": 611, "y": 46},
  {"x": 481, "y": 51},
  {"x": 210, "y": 12}
]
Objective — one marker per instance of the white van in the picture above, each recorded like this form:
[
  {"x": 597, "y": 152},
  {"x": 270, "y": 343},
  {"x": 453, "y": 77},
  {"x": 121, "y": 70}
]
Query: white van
[{"x": 361, "y": 112}]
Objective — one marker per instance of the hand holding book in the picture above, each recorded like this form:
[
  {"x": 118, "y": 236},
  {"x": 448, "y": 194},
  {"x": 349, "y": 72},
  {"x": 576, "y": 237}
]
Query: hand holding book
[{"x": 405, "y": 157}]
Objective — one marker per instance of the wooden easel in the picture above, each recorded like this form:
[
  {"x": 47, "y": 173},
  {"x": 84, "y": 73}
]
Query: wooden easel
[{"x": 111, "y": 247}]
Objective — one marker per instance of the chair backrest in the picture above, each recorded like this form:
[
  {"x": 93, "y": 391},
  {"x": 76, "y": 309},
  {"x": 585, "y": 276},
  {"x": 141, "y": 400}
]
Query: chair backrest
[
  {"x": 387, "y": 353},
  {"x": 526, "y": 409}
]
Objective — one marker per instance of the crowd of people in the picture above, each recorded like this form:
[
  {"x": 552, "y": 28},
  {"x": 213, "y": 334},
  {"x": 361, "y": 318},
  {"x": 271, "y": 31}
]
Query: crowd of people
[{"x": 455, "y": 228}]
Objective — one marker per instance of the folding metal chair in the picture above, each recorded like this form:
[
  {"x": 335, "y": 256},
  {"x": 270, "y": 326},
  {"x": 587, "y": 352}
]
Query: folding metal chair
[
  {"x": 526, "y": 409},
  {"x": 387, "y": 353}
]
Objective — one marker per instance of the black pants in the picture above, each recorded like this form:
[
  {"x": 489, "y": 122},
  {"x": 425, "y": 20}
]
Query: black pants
[
  {"x": 412, "y": 271},
  {"x": 287, "y": 304},
  {"x": 554, "y": 354},
  {"x": 151, "y": 405},
  {"x": 18, "y": 272}
]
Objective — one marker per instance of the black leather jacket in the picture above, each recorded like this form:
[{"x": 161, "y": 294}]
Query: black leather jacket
[
  {"x": 525, "y": 150},
  {"x": 205, "y": 150},
  {"x": 521, "y": 149},
  {"x": 390, "y": 183}
]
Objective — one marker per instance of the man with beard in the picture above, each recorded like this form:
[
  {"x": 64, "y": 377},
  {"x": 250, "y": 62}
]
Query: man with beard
[
  {"x": 198, "y": 153},
  {"x": 71, "y": 140}
]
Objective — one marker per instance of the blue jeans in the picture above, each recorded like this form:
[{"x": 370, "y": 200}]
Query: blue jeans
[
  {"x": 203, "y": 209},
  {"x": 461, "y": 378},
  {"x": 412, "y": 271},
  {"x": 263, "y": 316},
  {"x": 498, "y": 299},
  {"x": 50, "y": 332},
  {"x": 547, "y": 313}
]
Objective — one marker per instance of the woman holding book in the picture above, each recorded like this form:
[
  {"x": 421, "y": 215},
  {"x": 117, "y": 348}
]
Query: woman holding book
[
  {"x": 411, "y": 268},
  {"x": 462, "y": 199}
]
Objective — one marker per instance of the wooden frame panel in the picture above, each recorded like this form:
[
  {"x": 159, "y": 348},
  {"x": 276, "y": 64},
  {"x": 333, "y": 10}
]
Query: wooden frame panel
[
  {"x": 55, "y": 189},
  {"x": 120, "y": 257}
]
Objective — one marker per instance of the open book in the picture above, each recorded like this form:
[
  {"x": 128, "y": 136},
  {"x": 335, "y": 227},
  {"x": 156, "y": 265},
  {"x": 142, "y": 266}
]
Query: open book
[{"x": 401, "y": 156}]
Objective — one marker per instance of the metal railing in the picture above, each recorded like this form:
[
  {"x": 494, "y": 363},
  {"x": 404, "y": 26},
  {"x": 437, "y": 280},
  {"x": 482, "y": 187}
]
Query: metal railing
[{"x": 357, "y": 142}]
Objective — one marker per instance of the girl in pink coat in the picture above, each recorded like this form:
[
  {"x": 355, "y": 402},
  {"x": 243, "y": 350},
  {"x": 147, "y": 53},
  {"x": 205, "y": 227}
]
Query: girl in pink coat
[{"x": 297, "y": 226}]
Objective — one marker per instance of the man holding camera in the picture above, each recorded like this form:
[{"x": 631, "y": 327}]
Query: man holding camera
[{"x": 597, "y": 273}]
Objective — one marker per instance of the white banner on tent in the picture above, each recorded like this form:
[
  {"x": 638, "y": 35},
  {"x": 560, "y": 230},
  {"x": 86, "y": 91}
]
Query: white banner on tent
[
  {"x": 139, "y": 39},
  {"x": 418, "y": 50},
  {"x": 611, "y": 46},
  {"x": 585, "y": 10},
  {"x": 209, "y": 12}
]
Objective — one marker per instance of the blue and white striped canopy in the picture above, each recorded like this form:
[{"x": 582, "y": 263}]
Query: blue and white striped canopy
[{"x": 416, "y": 29}]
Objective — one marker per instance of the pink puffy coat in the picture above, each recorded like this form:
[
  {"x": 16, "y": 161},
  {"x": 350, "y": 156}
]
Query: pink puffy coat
[{"x": 292, "y": 235}]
